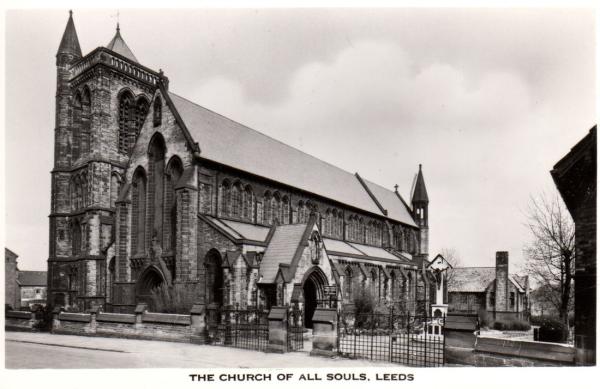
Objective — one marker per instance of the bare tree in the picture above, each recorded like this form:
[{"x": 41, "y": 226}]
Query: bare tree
[
  {"x": 452, "y": 256},
  {"x": 550, "y": 256}
]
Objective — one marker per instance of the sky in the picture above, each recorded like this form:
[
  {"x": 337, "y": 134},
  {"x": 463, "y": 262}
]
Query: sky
[{"x": 487, "y": 100}]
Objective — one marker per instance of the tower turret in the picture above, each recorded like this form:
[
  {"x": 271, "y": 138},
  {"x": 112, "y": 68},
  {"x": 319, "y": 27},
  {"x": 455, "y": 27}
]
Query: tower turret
[{"x": 420, "y": 207}]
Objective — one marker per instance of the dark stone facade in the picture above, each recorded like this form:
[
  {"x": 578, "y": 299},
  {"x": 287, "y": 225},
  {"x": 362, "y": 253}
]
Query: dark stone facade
[
  {"x": 575, "y": 178},
  {"x": 134, "y": 204}
]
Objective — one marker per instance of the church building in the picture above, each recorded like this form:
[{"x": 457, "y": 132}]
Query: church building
[{"x": 150, "y": 189}]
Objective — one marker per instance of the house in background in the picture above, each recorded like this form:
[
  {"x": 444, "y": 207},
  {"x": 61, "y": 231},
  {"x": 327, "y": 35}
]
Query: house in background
[
  {"x": 11, "y": 287},
  {"x": 540, "y": 301},
  {"x": 32, "y": 287},
  {"x": 493, "y": 289},
  {"x": 22, "y": 288}
]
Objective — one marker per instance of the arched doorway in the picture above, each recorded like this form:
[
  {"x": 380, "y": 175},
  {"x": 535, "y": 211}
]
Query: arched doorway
[
  {"x": 313, "y": 289},
  {"x": 214, "y": 277},
  {"x": 150, "y": 279}
]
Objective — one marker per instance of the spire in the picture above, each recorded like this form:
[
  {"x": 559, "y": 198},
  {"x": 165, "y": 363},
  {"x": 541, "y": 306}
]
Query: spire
[
  {"x": 118, "y": 45},
  {"x": 69, "y": 43},
  {"x": 420, "y": 192}
]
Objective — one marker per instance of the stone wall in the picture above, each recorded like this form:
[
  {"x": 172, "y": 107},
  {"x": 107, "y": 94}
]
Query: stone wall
[
  {"x": 21, "y": 321},
  {"x": 140, "y": 325}
]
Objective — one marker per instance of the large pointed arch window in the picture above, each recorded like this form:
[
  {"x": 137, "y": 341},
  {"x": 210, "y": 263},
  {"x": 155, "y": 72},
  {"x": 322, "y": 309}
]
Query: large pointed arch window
[
  {"x": 348, "y": 283},
  {"x": 174, "y": 172},
  {"x": 138, "y": 205},
  {"x": 267, "y": 208},
  {"x": 156, "y": 167},
  {"x": 86, "y": 121},
  {"x": 247, "y": 202},
  {"x": 236, "y": 200}
]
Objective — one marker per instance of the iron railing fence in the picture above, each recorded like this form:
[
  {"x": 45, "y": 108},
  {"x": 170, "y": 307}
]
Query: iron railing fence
[
  {"x": 240, "y": 328},
  {"x": 412, "y": 340},
  {"x": 295, "y": 329}
]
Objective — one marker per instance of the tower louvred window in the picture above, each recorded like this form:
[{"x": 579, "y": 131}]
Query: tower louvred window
[
  {"x": 131, "y": 118},
  {"x": 157, "y": 114}
]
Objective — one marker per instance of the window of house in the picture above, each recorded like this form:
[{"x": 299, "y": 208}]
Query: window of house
[{"x": 512, "y": 299}]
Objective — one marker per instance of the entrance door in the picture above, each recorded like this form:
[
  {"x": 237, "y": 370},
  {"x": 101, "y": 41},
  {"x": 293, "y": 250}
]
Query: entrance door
[{"x": 310, "y": 301}]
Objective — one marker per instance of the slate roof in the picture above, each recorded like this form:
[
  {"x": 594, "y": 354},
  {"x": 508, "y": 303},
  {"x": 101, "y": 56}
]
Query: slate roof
[
  {"x": 470, "y": 279},
  {"x": 248, "y": 231},
  {"x": 239, "y": 230},
  {"x": 281, "y": 250},
  {"x": 339, "y": 246},
  {"x": 477, "y": 279},
  {"x": 232, "y": 144},
  {"x": 420, "y": 192},
  {"x": 118, "y": 45},
  {"x": 32, "y": 278},
  {"x": 69, "y": 44},
  {"x": 392, "y": 203}
]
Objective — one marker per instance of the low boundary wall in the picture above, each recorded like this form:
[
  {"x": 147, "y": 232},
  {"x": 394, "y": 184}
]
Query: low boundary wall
[
  {"x": 21, "y": 321},
  {"x": 139, "y": 325}
]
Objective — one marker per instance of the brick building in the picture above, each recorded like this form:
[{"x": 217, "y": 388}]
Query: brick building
[
  {"x": 575, "y": 178},
  {"x": 22, "y": 287},
  {"x": 493, "y": 289},
  {"x": 32, "y": 287},
  {"x": 11, "y": 285},
  {"x": 149, "y": 188}
]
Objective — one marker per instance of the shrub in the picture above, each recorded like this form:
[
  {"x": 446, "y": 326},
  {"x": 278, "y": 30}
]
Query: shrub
[
  {"x": 364, "y": 304},
  {"x": 178, "y": 298},
  {"x": 553, "y": 330},
  {"x": 511, "y": 325},
  {"x": 485, "y": 319},
  {"x": 44, "y": 314}
]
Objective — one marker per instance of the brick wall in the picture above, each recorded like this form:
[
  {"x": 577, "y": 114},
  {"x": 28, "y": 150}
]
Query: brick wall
[
  {"x": 586, "y": 273},
  {"x": 502, "y": 294}
]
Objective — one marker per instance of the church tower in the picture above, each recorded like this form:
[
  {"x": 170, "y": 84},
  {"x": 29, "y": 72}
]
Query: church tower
[
  {"x": 420, "y": 207},
  {"x": 101, "y": 101}
]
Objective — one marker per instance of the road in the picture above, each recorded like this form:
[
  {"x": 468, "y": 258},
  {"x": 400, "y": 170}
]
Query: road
[{"x": 42, "y": 350}]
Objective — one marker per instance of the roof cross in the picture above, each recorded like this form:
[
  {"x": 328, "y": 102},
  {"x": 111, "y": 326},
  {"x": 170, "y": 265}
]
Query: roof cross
[{"x": 117, "y": 16}]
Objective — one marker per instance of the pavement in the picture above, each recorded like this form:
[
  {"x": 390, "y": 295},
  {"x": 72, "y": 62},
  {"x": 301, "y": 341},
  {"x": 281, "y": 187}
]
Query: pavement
[{"x": 24, "y": 350}]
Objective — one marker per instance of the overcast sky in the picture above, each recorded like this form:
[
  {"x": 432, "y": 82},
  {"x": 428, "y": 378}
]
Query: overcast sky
[{"x": 487, "y": 100}]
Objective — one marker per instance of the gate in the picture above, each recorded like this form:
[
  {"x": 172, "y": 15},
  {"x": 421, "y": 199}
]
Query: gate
[
  {"x": 295, "y": 329},
  {"x": 240, "y": 328},
  {"x": 399, "y": 338}
]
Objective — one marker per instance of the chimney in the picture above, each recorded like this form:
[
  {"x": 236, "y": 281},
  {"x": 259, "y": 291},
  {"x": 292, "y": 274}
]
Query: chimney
[{"x": 501, "y": 281}]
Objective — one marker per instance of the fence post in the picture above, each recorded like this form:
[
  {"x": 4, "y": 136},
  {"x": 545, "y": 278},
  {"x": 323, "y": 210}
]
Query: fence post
[
  {"x": 277, "y": 330},
  {"x": 56, "y": 318},
  {"x": 325, "y": 332},
  {"x": 139, "y": 311},
  {"x": 93, "y": 324},
  {"x": 391, "y": 332},
  {"x": 198, "y": 323}
]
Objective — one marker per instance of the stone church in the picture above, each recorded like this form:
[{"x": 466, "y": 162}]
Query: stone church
[{"x": 150, "y": 189}]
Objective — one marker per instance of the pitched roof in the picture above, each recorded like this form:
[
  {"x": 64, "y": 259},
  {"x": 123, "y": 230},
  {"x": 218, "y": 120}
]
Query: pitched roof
[
  {"x": 477, "y": 279},
  {"x": 118, "y": 45},
  {"x": 32, "y": 278},
  {"x": 281, "y": 250},
  {"x": 470, "y": 279},
  {"x": 395, "y": 206},
  {"x": 232, "y": 144},
  {"x": 239, "y": 230},
  {"x": 420, "y": 192},
  {"x": 69, "y": 44},
  {"x": 9, "y": 253}
]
